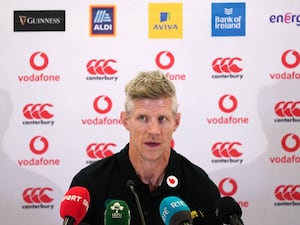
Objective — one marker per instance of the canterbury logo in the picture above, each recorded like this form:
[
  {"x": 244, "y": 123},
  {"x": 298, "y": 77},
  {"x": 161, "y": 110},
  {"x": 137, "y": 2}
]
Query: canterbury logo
[
  {"x": 287, "y": 109},
  {"x": 101, "y": 67},
  {"x": 165, "y": 60},
  {"x": 228, "y": 103},
  {"x": 231, "y": 186},
  {"x": 99, "y": 150},
  {"x": 37, "y": 111},
  {"x": 37, "y": 195},
  {"x": 226, "y": 65},
  {"x": 290, "y": 142},
  {"x": 287, "y": 192},
  {"x": 226, "y": 149},
  {"x": 293, "y": 55}
]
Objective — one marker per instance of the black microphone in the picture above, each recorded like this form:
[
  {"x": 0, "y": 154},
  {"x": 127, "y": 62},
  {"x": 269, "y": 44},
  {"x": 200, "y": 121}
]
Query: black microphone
[
  {"x": 229, "y": 211},
  {"x": 131, "y": 186},
  {"x": 198, "y": 217}
]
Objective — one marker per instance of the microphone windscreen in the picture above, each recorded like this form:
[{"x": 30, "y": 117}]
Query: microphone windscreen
[
  {"x": 174, "y": 211},
  {"x": 226, "y": 207},
  {"x": 117, "y": 213},
  {"x": 75, "y": 203},
  {"x": 198, "y": 217}
]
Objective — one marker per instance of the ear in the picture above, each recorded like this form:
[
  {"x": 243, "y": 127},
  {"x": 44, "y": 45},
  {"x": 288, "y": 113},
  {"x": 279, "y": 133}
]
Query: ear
[
  {"x": 177, "y": 121},
  {"x": 124, "y": 117}
]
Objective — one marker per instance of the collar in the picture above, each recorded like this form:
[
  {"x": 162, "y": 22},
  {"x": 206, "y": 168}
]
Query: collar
[{"x": 171, "y": 180}]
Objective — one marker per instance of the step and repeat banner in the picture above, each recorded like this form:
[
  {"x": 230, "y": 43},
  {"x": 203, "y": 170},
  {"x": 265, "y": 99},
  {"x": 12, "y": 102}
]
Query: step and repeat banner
[{"x": 236, "y": 67}]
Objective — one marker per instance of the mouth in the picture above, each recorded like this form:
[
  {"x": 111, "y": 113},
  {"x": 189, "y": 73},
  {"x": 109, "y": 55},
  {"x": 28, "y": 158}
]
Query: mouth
[{"x": 152, "y": 144}]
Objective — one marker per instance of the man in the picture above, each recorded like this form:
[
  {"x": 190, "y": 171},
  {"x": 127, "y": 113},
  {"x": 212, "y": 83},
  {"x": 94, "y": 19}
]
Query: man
[{"x": 156, "y": 170}]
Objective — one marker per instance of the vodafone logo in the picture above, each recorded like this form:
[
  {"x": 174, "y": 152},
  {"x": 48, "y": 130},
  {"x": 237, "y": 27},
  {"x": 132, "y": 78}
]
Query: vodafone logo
[
  {"x": 226, "y": 65},
  {"x": 99, "y": 150},
  {"x": 165, "y": 60},
  {"x": 287, "y": 192},
  {"x": 37, "y": 111},
  {"x": 172, "y": 181},
  {"x": 287, "y": 109},
  {"x": 39, "y": 61},
  {"x": 290, "y": 59},
  {"x": 38, "y": 145},
  {"x": 37, "y": 195},
  {"x": 226, "y": 149},
  {"x": 228, "y": 186},
  {"x": 102, "y": 104},
  {"x": 101, "y": 67},
  {"x": 290, "y": 142},
  {"x": 228, "y": 103}
]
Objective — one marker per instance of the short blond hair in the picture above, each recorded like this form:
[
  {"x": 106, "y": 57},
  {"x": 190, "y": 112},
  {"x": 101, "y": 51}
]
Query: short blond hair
[{"x": 150, "y": 85}]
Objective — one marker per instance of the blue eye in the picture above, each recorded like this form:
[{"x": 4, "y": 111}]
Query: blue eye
[
  {"x": 142, "y": 117},
  {"x": 162, "y": 118}
]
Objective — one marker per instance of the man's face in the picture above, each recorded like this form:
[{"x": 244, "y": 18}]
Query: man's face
[{"x": 151, "y": 125}]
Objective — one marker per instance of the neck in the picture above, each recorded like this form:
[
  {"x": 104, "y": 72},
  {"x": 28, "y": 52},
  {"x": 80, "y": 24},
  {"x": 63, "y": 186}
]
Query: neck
[{"x": 150, "y": 172}]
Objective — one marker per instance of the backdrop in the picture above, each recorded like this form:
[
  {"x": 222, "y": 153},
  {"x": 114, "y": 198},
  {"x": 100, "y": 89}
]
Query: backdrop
[{"x": 236, "y": 67}]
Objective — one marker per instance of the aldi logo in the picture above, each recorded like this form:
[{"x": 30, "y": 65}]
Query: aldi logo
[
  {"x": 228, "y": 19},
  {"x": 165, "y": 20},
  {"x": 102, "y": 20}
]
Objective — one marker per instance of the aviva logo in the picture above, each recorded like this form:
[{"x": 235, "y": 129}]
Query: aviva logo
[
  {"x": 102, "y": 20},
  {"x": 165, "y": 20}
]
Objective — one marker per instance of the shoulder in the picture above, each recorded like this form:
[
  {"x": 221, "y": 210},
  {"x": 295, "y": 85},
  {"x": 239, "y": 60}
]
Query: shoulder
[
  {"x": 97, "y": 171},
  {"x": 187, "y": 166}
]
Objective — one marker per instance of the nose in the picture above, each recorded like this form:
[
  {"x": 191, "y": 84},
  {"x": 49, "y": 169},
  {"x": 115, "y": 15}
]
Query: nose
[{"x": 153, "y": 127}]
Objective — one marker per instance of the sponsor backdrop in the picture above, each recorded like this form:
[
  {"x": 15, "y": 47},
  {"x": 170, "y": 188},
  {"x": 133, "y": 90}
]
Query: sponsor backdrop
[{"x": 236, "y": 66}]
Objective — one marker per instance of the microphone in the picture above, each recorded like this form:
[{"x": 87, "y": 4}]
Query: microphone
[
  {"x": 229, "y": 211},
  {"x": 74, "y": 205},
  {"x": 175, "y": 211},
  {"x": 198, "y": 217},
  {"x": 131, "y": 186},
  {"x": 117, "y": 213}
]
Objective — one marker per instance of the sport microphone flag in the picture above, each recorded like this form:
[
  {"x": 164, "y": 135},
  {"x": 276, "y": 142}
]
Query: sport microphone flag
[
  {"x": 75, "y": 204},
  {"x": 117, "y": 213}
]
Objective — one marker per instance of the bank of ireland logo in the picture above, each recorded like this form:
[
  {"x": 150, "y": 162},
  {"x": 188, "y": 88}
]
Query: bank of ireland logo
[
  {"x": 102, "y": 20},
  {"x": 228, "y": 19}
]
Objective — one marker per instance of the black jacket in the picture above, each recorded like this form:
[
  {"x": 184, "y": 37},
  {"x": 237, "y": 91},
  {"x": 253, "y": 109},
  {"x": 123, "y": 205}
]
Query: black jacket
[{"x": 107, "y": 179}]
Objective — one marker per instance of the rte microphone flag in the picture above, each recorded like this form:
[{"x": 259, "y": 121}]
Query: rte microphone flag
[
  {"x": 117, "y": 213},
  {"x": 174, "y": 211}
]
